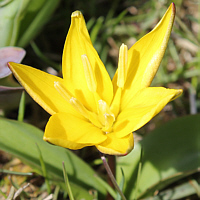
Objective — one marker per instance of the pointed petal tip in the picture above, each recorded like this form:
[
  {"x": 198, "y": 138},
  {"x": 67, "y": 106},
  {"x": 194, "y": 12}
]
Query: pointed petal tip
[
  {"x": 180, "y": 91},
  {"x": 76, "y": 13},
  {"x": 9, "y": 64},
  {"x": 173, "y": 8},
  {"x": 177, "y": 94}
]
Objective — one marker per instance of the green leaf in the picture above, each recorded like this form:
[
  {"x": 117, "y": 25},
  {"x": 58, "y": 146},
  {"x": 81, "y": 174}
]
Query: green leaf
[
  {"x": 19, "y": 139},
  {"x": 121, "y": 185},
  {"x": 44, "y": 171},
  {"x": 21, "y": 110},
  {"x": 96, "y": 29},
  {"x": 170, "y": 153},
  {"x": 34, "y": 21},
  {"x": 177, "y": 192},
  {"x": 5, "y": 171},
  {"x": 8, "y": 22},
  {"x": 71, "y": 197},
  {"x": 21, "y": 20}
]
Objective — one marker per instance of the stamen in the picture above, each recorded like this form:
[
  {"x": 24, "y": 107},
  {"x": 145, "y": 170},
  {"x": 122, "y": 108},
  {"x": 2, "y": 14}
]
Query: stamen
[
  {"x": 109, "y": 119},
  {"x": 77, "y": 105},
  {"x": 106, "y": 117},
  {"x": 89, "y": 74},
  {"x": 122, "y": 65},
  {"x": 104, "y": 108},
  {"x": 62, "y": 90}
]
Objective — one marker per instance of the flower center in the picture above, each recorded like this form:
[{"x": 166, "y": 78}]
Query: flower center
[
  {"x": 104, "y": 115},
  {"x": 104, "y": 118}
]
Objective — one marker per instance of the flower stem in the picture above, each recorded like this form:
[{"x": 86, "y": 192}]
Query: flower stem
[
  {"x": 111, "y": 159},
  {"x": 110, "y": 174}
]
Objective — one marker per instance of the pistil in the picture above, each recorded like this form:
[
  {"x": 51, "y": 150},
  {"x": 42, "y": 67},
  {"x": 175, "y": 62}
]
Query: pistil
[{"x": 103, "y": 117}]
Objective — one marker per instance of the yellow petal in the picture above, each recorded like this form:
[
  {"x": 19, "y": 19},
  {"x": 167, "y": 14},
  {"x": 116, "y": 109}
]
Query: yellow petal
[
  {"x": 68, "y": 131},
  {"x": 40, "y": 86},
  {"x": 78, "y": 43},
  {"x": 143, "y": 107},
  {"x": 117, "y": 146},
  {"x": 144, "y": 56},
  {"x": 116, "y": 103}
]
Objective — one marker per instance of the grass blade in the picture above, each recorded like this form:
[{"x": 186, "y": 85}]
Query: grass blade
[
  {"x": 44, "y": 171},
  {"x": 21, "y": 108},
  {"x": 71, "y": 197},
  {"x": 67, "y": 183}
]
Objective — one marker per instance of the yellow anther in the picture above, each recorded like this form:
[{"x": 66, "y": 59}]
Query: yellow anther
[
  {"x": 89, "y": 74},
  {"x": 76, "y": 14},
  {"x": 106, "y": 117},
  {"x": 104, "y": 108},
  {"x": 122, "y": 65},
  {"x": 109, "y": 119}
]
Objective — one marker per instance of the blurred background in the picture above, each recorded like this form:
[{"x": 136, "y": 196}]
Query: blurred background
[{"x": 40, "y": 27}]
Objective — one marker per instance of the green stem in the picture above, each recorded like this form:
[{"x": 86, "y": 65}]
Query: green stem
[{"x": 110, "y": 174}]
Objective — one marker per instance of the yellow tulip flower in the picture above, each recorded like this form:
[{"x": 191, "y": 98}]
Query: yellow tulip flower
[{"x": 87, "y": 108}]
